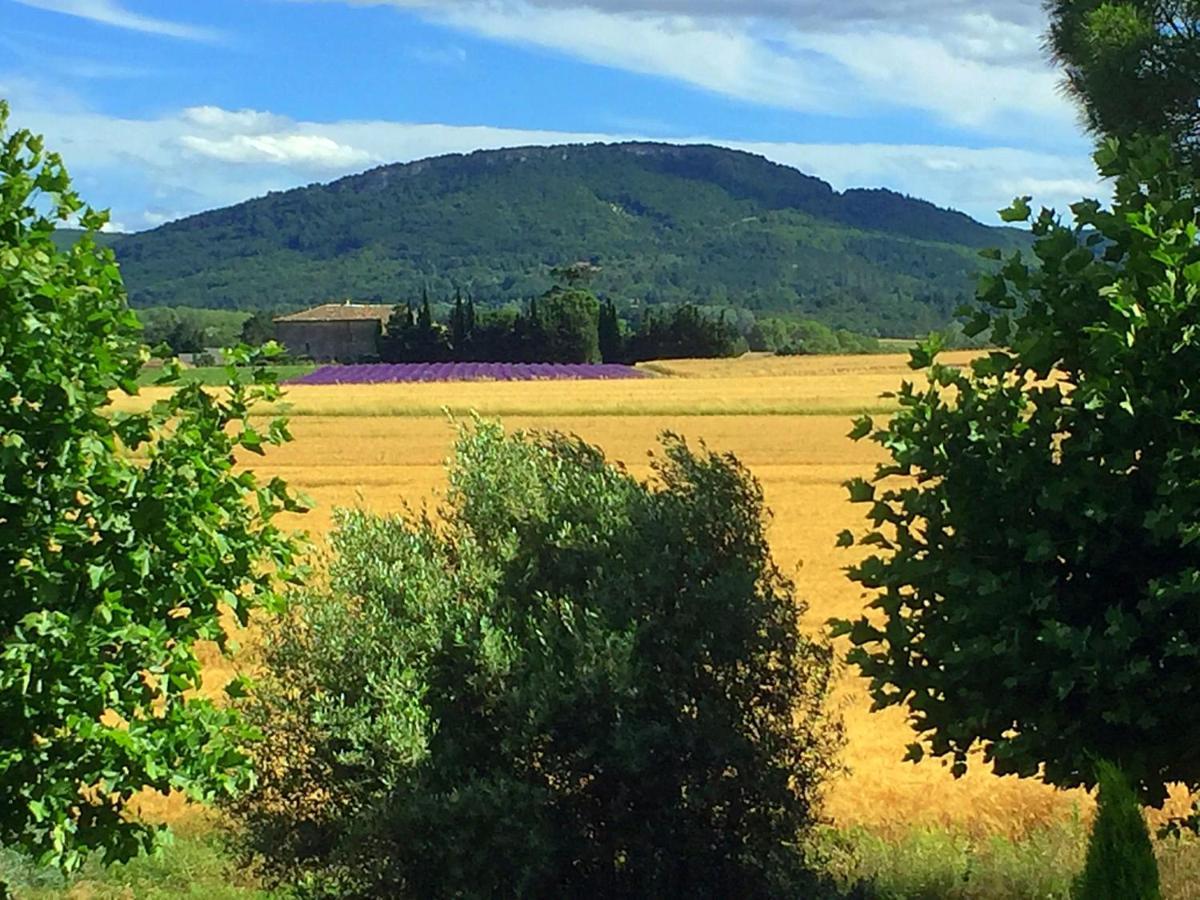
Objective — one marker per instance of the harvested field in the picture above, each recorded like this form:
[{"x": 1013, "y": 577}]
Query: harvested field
[{"x": 353, "y": 447}]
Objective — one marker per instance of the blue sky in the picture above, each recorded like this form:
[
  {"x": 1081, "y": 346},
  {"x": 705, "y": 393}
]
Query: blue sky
[{"x": 163, "y": 109}]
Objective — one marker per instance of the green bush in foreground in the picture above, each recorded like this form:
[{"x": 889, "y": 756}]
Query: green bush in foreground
[
  {"x": 1120, "y": 858},
  {"x": 577, "y": 685},
  {"x": 111, "y": 567}
]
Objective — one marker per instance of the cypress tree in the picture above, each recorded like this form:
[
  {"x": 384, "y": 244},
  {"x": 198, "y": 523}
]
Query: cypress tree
[
  {"x": 1120, "y": 859},
  {"x": 610, "y": 333},
  {"x": 425, "y": 316}
]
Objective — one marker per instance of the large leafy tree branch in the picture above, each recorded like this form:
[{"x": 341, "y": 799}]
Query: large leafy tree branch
[
  {"x": 1036, "y": 534},
  {"x": 123, "y": 537}
]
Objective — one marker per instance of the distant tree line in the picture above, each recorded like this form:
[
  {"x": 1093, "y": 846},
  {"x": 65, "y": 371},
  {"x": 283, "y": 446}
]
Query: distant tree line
[
  {"x": 188, "y": 330},
  {"x": 569, "y": 325},
  {"x": 797, "y": 337},
  {"x": 561, "y": 326}
]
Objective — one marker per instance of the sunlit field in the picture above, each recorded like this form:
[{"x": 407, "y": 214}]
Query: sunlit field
[
  {"x": 754, "y": 385},
  {"x": 383, "y": 447}
]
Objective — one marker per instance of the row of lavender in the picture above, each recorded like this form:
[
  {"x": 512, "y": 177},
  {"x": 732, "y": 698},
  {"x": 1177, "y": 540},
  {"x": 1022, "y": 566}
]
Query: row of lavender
[{"x": 463, "y": 371}]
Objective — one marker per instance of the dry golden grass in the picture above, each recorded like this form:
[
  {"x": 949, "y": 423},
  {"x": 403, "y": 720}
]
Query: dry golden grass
[{"x": 386, "y": 462}]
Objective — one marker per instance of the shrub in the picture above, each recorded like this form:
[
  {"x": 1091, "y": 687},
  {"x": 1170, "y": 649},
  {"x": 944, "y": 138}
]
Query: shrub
[
  {"x": 576, "y": 685},
  {"x": 1120, "y": 859},
  {"x": 122, "y": 538}
]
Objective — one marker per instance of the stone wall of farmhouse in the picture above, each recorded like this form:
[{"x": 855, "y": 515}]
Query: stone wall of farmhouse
[{"x": 347, "y": 342}]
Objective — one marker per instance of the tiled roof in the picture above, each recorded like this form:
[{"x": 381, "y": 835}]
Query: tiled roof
[{"x": 341, "y": 312}]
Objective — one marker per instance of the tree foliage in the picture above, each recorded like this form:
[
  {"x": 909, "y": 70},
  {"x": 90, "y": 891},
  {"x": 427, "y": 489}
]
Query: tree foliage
[
  {"x": 609, "y": 337},
  {"x": 188, "y": 330},
  {"x": 122, "y": 537},
  {"x": 1133, "y": 66},
  {"x": 684, "y": 332},
  {"x": 569, "y": 321},
  {"x": 1034, "y": 543},
  {"x": 258, "y": 329},
  {"x": 800, "y": 337},
  {"x": 576, "y": 684}
]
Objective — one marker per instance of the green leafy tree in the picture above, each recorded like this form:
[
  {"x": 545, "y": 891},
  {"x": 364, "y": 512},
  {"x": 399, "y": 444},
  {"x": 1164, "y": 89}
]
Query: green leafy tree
[
  {"x": 259, "y": 329},
  {"x": 211, "y": 328},
  {"x": 571, "y": 684},
  {"x": 186, "y": 336},
  {"x": 409, "y": 340},
  {"x": 569, "y": 323},
  {"x": 685, "y": 332},
  {"x": 1120, "y": 858},
  {"x": 122, "y": 538},
  {"x": 1035, "y": 555},
  {"x": 1133, "y": 66}
]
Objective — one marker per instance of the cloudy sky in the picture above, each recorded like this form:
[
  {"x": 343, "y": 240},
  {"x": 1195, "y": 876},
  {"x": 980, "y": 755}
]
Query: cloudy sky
[{"x": 163, "y": 108}]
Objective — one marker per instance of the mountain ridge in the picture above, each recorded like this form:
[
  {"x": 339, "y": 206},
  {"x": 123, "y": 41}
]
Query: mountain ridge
[{"x": 668, "y": 223}]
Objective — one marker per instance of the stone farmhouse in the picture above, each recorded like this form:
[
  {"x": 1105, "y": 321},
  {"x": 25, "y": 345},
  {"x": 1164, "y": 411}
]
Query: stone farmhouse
[{"x": 335, "y": 332}]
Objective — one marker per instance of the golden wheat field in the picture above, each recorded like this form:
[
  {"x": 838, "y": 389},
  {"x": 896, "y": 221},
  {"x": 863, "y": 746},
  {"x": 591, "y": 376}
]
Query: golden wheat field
[{"x": 384, "y": 447}]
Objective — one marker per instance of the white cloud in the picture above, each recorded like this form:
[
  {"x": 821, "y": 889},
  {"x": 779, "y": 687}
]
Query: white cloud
[
  {"x": 808, "y": 13},
  {"x": 719, "y": 57},
  {"x": 110, "y": 12},
  {"x": 975, "y": 66},
  {"x": 967, "y": 92},
  {"x": 300, "y": 150},
  {"x": 244, "y": 121}
]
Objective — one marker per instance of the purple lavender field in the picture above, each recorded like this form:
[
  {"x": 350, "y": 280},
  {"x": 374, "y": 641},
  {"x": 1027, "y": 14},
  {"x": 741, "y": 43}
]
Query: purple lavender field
[{"x": 409, "y": 373}]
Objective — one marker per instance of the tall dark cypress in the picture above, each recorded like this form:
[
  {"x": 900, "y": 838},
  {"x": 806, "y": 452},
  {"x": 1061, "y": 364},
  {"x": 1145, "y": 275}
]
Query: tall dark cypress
[
  {"x": 610, "y": 333},
  {"x": 425, "y": 316}
]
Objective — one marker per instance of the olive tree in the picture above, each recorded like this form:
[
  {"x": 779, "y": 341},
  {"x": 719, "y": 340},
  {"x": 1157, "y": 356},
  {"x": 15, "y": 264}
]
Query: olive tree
[
  {"x": 1035, "y": 539},
  {"x": 123, "y": 536},
  {"x": 570, "y": 683}
]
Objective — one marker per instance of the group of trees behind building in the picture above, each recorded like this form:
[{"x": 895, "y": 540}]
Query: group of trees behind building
[{"x": 569, "y": 325}]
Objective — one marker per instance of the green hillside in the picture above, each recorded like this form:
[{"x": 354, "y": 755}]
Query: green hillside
[{"x": 668, "y": 224}]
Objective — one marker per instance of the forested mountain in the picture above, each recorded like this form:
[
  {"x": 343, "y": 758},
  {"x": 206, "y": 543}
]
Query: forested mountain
[{"x": 666, "y": 223}]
